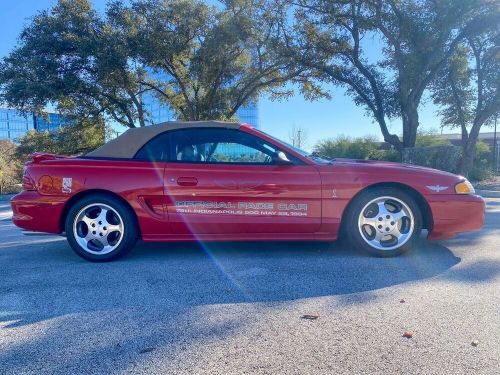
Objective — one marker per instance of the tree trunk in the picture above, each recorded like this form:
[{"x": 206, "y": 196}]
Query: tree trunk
[
  {"x": 140, "y": 113},
  {"x": 467, "y": 160},
  {"x": 468, "y": 149},
  {"x": 410, "y": 125}
]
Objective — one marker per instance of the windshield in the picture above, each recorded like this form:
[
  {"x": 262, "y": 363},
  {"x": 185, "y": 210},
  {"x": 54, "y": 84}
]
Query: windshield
[{"x": 311, "y": 156}]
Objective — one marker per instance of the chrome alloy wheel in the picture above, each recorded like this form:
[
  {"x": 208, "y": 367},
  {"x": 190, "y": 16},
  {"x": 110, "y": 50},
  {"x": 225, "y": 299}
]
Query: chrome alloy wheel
[
  {"x": 386, "y": 223},
  {"x": 98, "y": 228}
]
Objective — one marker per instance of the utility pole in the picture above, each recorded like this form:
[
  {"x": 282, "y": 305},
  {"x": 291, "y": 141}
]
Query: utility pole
[
  {"x": 298, "y": 137},
  {"x": 495, "y": 148}
]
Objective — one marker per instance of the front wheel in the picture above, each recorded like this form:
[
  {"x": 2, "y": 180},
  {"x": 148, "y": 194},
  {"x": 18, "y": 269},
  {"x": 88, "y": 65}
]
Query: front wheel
[
  {"x": 383, "y": 221},
  {"x": 100, "y": 228}
]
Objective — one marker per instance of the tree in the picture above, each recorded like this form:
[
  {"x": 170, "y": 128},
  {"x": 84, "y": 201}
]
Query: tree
[
  {"x": 467, "y": 90},
  {"x": 71, "y": 58},
  {"x": 10, "y": 167},
  {"x": 204, "y": 62},
  {"x": 418, "y": 37},
  {"x": 78, "y": 137}
]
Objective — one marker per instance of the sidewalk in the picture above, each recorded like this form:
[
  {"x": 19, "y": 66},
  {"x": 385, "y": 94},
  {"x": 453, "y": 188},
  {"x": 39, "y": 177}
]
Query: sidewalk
[
  {"x": 488, "y": 188},
  {"x": 488, "y": 193}
]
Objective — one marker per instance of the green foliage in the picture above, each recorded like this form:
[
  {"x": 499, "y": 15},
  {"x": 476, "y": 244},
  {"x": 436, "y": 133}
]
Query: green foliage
[
  {"x": 431, "y": 151},
  {"x": 426, "y": 138},
  {"x": 346, "y": 147},
  {"x": 10, "y": 167},
  {"x": 354, "y": 148},
  {"x": 331, "y": 39},
  {"x": 467, "y": 91},
  {"x": 69, "y": 57},
  {"x": 446, "y": 157},
  {"x": 483, "y": 163},
  {"x": 203, "y": 61},
  {"x": 443, "y": 157},
  {"x": 78, "y": 138},
  {"x": 452, "y": 92}
]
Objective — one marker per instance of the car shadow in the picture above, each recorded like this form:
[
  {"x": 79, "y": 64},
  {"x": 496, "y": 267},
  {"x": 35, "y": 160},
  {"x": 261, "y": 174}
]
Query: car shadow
[
  {"x": 284, "y": 271},
  {"x": 173, "y": 296},
  {"x": 189, "y": 274}
]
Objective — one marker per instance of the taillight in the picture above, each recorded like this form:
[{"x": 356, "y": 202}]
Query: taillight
[{"x": 28, "y": 183}]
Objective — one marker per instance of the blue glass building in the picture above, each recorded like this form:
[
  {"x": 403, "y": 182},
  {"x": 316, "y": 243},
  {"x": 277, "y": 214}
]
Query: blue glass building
[
  {"x": 51, "y": 122},
  {"x": 160, "y": 112},
  {"x": 14, "y": 125},
  {"x": 249, "y": 115}
]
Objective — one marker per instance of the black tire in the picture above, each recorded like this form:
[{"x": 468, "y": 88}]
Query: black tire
[
  {"x": 352, "y": 231},
  {"x": 126, "y": 241}
]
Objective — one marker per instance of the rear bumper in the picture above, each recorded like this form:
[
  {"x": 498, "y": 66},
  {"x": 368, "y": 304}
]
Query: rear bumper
[
  {"x": 453, "y": 214},
  {"x": 39, "y": 213}
]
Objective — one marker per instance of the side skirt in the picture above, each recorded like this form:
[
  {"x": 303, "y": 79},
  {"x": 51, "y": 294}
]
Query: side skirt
[{"x": 241, "y": 237}]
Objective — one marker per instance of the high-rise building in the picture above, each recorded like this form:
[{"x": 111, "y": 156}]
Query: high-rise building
[
  {"x": 159, "y": 112},
  {"x": 249, "y": 115},
  {"x": 51, "y": 122},
  {"x": 14, "y": 124}
]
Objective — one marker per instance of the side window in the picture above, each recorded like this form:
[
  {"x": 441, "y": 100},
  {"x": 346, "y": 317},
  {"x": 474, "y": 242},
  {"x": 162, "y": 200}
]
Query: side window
[
  {"x": 156, "y": 149},
  {"x": 220, "y": 146},
  {"x": 230, "y": 152},
  {"x": 202, "y": 145}
]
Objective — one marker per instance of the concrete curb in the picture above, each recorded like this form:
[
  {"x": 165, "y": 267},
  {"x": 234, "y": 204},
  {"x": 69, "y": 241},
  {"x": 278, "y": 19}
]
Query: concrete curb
[{"x": 488, "y": 193}]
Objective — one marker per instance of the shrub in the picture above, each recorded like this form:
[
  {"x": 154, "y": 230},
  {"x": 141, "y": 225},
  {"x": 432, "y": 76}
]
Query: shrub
[
  {"x": 483, "y": 162},
  {"x": 347, "y": 147},
  {"x": 367, "y": 147},
  {"x": 447, "y": 157},
  {"x": 444, "y": 157},
  {"x": 427, "y": 138},
  {"x": 77, "y": 138},
  {"x": 431, "y": 151},
  {"x": 10, "y": 167}
]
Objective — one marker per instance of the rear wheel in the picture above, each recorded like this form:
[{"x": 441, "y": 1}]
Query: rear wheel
[
  {"x": 101, "y": 228},
  {"x": 383, "y": 221}
]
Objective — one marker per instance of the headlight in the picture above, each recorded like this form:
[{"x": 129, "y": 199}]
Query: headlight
[{"x": 464, "y": 187}]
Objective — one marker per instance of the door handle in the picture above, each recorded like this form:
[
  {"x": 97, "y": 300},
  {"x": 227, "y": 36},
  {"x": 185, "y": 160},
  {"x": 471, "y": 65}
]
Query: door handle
[{"x": 187, "y": 181}]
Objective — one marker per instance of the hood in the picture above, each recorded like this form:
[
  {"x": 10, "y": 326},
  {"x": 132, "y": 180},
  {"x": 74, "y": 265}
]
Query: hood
[
  {"x": 389, "y": 165},
  {"x": 369, "y": 172}
]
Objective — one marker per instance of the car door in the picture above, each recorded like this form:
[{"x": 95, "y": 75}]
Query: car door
[{"x": 225, "y": 181}]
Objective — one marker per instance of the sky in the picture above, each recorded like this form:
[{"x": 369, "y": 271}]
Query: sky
[{"x": 320, "y": 119}]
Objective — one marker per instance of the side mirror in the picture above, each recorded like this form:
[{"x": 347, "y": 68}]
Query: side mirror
[{"x": 281, "y": 159}]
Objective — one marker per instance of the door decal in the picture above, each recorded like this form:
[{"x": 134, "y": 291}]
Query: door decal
[{"x": 242, "y": 208}]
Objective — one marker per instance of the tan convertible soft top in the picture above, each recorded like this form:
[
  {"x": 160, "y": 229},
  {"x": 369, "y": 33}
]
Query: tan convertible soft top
[{"x": 127, "y": 144}]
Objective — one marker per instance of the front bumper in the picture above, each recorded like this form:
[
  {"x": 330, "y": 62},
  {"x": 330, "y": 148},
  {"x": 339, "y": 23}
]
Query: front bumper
[
  {"x": 39, "y": 213},
  {"x": 453, "y": 214}
]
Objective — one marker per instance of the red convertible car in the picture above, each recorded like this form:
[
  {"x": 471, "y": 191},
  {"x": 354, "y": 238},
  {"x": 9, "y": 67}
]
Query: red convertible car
[{"x": 218, "y": 181}]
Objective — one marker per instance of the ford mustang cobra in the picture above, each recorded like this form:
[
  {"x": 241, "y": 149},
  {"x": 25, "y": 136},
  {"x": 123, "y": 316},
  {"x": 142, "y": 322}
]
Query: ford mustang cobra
[{"x": 218, "y": 181}]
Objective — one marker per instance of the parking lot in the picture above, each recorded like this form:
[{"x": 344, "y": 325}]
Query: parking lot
[{"x": 238, "y": 308}]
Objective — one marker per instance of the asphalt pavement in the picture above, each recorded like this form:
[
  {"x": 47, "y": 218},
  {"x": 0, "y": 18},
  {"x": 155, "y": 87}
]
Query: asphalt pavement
[{"x": 251, "y": 308}]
